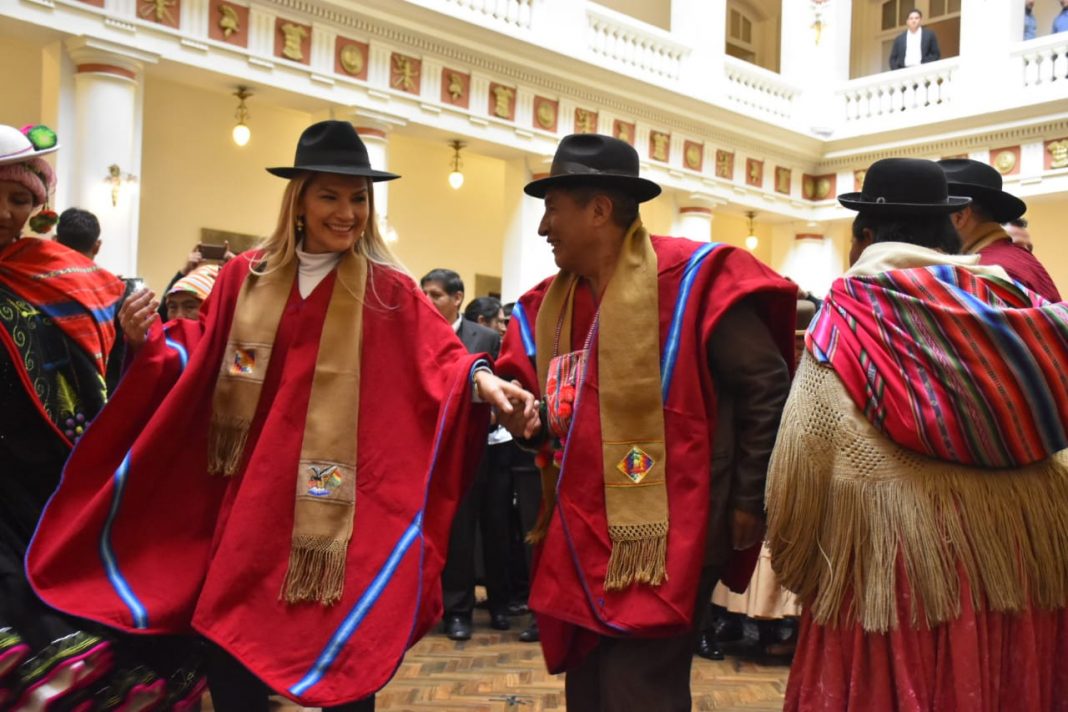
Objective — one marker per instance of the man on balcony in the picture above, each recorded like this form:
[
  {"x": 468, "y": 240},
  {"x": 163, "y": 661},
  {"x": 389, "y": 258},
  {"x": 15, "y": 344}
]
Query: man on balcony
[
  {"x": 915, "y": 45},
  {"x": 1060, "y": 22}
]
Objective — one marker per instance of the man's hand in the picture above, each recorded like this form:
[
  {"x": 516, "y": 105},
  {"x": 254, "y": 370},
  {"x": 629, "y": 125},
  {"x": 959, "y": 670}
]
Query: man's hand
[
  {"x": 192, "y": 261},
  {"x": 517, "y": 408},
  {"x": 746, "y": 529},
  {"x": 137, "y": 314}
]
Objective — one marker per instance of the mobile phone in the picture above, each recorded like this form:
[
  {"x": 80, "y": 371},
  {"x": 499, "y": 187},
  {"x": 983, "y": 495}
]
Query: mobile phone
[{"x": 212, "y": 252}]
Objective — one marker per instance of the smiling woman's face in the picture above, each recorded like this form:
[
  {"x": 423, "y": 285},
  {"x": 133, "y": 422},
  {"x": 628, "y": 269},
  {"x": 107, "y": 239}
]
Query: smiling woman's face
[
  {"x": 16, "y": 204},
  {"x": 335, "y": 210}
]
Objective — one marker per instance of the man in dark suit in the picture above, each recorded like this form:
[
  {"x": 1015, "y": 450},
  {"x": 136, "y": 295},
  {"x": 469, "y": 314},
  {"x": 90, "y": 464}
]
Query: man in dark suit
[
  {"x": 445, "y": 290},
  {"x": 915, "y": 45}
]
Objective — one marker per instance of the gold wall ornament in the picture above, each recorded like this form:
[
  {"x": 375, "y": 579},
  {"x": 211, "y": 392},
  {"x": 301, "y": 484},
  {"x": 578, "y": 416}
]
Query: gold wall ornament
[
  {"x": 294, "y": 39},
  {"x": 858, "y": 179},
  {"x": 782, "y": 180},
  {"x": 818, "y": 187},
  {"x": 724, "y": 164},
  {"x": 405, "y": 74},
  {"x": 817, "y": 17},
  {"x": 693, "y": 156},
  {"x": 455, "y": 86},
  {"x": 352, "y": 59},
  {"x": 1004, "y": 160},
  {"x": 585, "y": 121},
  {"x": 158, "y": 11},
  {"x": 754, "y": 172},
  {"x": 545, "y": 113},
  {"x": 1057, "y": 153},
  {"x": 229, "y": 22},
  {"x": 503, "y": 101},
  {"x": 623, "y": 130},
  {"x": 659, "y": 146}
]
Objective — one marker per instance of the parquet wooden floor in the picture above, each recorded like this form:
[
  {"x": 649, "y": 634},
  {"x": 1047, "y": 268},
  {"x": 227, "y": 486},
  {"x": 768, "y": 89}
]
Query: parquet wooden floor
[{"x": 494, "y": 672}]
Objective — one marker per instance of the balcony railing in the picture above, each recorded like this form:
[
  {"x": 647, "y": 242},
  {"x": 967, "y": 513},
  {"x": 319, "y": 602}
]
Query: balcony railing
[
  {"x": 757, "y": 88},
  {"x": 510, "y": 12},
  {"x": 633, "y": 44},
  {"x": 904, "y": 93},
  {"x": 1043, "y": 62}
]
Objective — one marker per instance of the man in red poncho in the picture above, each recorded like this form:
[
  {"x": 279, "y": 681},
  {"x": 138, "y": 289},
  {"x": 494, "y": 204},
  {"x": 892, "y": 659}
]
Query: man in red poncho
[{"x": 663, "y": 366}]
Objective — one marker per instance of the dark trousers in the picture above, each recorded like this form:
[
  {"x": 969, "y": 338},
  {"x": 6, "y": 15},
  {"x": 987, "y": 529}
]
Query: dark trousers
[
  {"x": 486, "y": 507},
  {"x": 235, "y": 689},
  {"x": 639, "y": 674}
]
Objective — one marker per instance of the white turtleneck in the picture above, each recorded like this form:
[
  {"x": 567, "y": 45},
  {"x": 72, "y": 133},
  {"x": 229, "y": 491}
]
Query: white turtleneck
[{"x": 312, "y": 267}]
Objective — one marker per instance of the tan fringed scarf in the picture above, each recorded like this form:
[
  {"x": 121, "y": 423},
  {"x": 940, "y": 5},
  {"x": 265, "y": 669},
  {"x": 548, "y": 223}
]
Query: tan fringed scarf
[
  {"x": 631, "y": 409},
  {"x": 326, "y": 472}
]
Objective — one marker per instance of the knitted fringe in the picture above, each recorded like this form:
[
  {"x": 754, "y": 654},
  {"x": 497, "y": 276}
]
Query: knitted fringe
[
  {"x": 549, "y": 477},
  {"x": 845, "y": 504},
  {"x": 639, "y": 555},
  {"x": 316, "y": 571},
  {"x": 226, "y": 445}
]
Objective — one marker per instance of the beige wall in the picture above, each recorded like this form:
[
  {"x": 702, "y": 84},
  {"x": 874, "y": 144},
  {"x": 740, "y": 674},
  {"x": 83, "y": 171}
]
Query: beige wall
[
  {"x": 193, "y": 175},
  {"x": 654, "y": 12},
  {"x": 1046, "y": 220},
  {"x": 463, "y": 229},
  {"x": 20, "y": 83}
]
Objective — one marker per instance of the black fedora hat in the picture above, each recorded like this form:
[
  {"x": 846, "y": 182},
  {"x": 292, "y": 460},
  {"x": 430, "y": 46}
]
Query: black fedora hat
[
  {"x": 593, "y": 159},
  {"x": 904, "y": 186},
  {"x": 331, "y": 147},
  {"x": 983, "y": 184}
]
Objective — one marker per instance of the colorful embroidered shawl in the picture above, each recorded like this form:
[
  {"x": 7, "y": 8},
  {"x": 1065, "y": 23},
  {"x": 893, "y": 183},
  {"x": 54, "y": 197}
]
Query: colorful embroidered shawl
[
  {"x": 80, "y": 297},
  {"x": 950, "y": 364}
]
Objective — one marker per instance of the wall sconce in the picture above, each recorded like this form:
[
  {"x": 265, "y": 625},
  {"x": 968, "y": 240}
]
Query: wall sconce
[
  {"x": 241, "y": 133},
  {"x": 751, "y": 240},
  {"x": 115, "y": 179},
  {"x": 456, "y": 178}
]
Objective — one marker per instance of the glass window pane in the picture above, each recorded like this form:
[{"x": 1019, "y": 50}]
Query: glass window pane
[
  {"x": 903, "y": 9},
  {"x": 736, "y": 24},
  {"x": 938, "y": 8},
  {"x": 747, "y": 31},
  {"x": 954, "y": 6}
]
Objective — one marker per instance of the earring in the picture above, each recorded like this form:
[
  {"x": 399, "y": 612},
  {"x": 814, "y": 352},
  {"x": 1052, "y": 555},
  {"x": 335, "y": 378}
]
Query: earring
[
  {"x": 300, "y": 225},
  {"x": 44, "y": 221}
]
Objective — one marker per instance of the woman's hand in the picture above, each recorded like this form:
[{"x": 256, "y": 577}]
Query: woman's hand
[
  {"x": 136, "y": 316},
  {"x": 517, "y": 408}
]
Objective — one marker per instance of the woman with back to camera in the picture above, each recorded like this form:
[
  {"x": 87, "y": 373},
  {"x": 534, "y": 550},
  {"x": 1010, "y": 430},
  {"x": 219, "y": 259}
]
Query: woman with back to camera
[{"x": 280, "y": 475}]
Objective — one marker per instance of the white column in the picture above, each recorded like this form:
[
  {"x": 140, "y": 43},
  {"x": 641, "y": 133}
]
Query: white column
[
  {"x": 375, "y": 137},
  {"x": 527, "y": 258},
  {"x": 811, "y": 259},
  {"x": 694, "y": 222},
  {"x": 815, "y": 49},
  {"x": 987, "y": 33},
  {"x": 702, "y": 26},
  {"x": 108, "y": 95}
]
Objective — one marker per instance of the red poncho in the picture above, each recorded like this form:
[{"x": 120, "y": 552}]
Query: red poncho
[{"x": 140, "y": 538}]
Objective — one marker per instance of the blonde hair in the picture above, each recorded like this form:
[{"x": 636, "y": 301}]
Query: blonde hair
[{"x": 281, "y": 247}]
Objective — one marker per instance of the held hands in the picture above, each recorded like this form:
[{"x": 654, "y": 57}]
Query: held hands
[
  {"x": 517, "y": 409},
  {"x": 746, "y": 529},
  {"x": 137, "y": 314}
]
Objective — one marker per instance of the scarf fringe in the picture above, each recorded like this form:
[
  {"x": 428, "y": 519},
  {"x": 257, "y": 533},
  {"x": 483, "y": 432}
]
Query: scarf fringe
[
  {"x": 226, "y": 445},
  {"x": 639, "y": 555},
  {"x": 848, "y": 511},
  {"x": 316, "y": 571}
]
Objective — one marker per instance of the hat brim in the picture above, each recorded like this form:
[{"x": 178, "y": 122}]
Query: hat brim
[
  {"x": 856, "y": 201},
  {"x": 293, "y": 172},
  {"x": 641, "y": 188},
  {"x": 24, "y": 157},
  {"x": 1003, "y": 206}
]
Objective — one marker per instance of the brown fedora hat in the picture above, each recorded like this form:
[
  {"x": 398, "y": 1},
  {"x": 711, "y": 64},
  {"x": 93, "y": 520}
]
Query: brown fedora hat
[{"x": 594, "y": 159}]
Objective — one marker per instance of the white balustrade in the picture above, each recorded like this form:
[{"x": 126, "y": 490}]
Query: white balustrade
[
  {"x": 926, "y": 88},
  {"x": 757, "y": 88},
  {"x": 1042, "y": 62},
  {"x": 516, "y": 13},
  {"x": 633, "y": 43}
]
